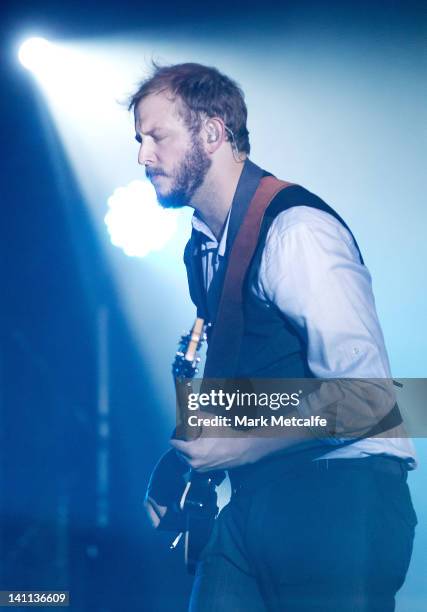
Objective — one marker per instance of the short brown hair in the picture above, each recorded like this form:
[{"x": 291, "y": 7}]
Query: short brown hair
[{"x": 202, "y": 89}]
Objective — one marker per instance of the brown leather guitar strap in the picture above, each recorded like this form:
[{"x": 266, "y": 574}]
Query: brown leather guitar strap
[{"x": 224, "y": 345}]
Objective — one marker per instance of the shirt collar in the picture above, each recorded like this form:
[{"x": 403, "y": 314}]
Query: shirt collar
[
  {"x": 249, "y": 180},
  {"x": 200, "y": 226}
]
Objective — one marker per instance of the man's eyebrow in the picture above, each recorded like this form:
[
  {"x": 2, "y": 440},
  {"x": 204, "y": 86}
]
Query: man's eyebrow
[{"x": 152, "y": 132}]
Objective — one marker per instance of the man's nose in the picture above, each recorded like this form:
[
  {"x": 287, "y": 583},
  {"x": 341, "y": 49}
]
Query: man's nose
[{"x": 145, "y": 154}]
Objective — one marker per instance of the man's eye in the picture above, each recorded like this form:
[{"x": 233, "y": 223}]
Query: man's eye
[{"x": 156, "y": 138}]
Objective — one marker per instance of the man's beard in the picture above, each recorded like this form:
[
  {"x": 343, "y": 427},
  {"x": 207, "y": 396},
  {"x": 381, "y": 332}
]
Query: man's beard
[{"x": 186, "y": 178}]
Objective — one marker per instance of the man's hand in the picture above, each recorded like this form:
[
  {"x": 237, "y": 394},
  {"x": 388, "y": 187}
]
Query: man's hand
[
  {"x": 154, "y": 511},
  {"x": 217, "y": 451},
  {"x": 206, "y": 453}
]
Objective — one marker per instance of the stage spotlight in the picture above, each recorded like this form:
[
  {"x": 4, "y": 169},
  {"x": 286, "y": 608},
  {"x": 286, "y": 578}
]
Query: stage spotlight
[
  {"x": 36, "y": 53},
  {"x": 136, "y": 222}
]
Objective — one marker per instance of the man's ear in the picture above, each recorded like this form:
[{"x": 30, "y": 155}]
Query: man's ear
[{"x": 215, "y": 133}]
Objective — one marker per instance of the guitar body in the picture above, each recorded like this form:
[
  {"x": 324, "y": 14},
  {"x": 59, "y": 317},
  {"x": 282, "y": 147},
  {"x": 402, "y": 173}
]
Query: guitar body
[{"x": 200, "y": 508}]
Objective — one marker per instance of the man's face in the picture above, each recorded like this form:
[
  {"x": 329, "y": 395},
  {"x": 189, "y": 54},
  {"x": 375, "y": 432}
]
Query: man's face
[{"x": 174, "y": 158}]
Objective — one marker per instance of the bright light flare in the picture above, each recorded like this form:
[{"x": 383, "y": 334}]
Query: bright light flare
[
  {"x": 136, "y": 222},
  {"x": 36, "y": 53}
]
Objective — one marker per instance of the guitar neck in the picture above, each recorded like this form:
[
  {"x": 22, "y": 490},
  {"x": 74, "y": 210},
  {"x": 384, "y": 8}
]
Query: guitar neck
[
  {"x": 183, "y": 386},
  {"x": 195, "y": 338}
]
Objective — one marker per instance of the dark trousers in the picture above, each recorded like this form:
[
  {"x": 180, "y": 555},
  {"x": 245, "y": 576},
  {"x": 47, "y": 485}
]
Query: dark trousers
[{"x": 310, "y": 539}]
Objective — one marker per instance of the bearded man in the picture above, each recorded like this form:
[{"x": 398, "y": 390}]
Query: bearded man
[{"x": 325, "y": 534}]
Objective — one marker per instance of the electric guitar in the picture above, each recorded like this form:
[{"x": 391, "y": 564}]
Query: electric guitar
[
  {"x": 198, "y": 502},
  {"x": 189, "y": 497}
]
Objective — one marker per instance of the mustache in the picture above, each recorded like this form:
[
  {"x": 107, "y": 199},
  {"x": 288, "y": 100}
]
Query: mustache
[{"x": 150, "y": 172}]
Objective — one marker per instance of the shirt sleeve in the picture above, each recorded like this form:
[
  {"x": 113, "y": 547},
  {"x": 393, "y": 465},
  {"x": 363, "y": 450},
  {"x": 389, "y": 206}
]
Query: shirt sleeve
[{"x": 310, "y": 270}]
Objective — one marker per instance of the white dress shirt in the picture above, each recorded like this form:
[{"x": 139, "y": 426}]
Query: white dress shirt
[{"x": 310, "y": 269}]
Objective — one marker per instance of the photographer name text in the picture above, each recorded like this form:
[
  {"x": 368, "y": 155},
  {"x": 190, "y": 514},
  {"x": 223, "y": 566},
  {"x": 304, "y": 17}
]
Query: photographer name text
[{"x": 262, "y": 421}]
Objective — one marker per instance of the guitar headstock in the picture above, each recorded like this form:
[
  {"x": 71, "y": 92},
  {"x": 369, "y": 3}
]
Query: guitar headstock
[{"x": 187, "y": 360}]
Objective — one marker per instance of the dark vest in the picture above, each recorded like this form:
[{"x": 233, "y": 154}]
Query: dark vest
[{"x": 272, "y": 347}]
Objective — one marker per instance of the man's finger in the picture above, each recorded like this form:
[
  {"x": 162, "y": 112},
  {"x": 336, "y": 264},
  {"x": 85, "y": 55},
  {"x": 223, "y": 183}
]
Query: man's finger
[
  {"x": 154, "y": 511},
  {"x": 181, "y": 446}
]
